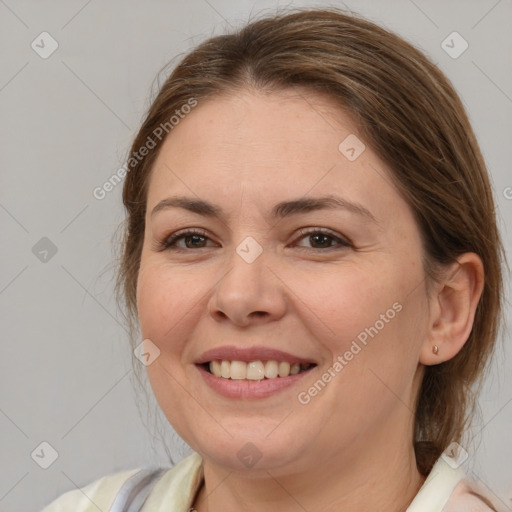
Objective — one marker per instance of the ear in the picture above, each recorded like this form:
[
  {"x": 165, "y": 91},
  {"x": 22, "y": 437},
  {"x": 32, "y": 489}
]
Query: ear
[{"x": 452, "y": 309}]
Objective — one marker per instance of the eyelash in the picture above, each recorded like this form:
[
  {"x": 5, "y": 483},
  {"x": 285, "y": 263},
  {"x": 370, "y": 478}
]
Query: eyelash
[{"x": 169, "y": 242}]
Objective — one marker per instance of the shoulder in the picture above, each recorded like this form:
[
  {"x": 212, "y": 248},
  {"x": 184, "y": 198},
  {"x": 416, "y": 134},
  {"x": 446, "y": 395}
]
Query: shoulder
[
  {"x": 448, "y": 489},
  {"x": 468, "y": 496},
  {"x": 97, "y": 494},
  {"x": 157, "y": 485}
]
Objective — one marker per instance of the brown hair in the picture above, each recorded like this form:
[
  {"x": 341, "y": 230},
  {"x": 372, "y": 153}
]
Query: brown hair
[{"x": 409, "y": 114}]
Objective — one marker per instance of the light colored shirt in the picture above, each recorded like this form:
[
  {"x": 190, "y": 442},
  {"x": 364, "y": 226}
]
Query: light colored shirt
[{"x": 446, "y": 489}]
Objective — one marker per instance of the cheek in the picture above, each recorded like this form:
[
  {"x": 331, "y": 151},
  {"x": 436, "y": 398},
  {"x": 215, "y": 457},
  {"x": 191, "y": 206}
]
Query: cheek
[
  {"x": 166, "y": 316},
  {"x": 371, "y": 326},
  {"x": 165, "y": 301},
  {"x": 369, "y": 316},
  {"x": 342, "y": 301},
  {"x": 154, "y": 303}
]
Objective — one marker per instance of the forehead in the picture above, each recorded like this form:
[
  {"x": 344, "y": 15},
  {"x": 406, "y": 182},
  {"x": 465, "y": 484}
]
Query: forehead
[
  {"x": 268, "y": 146},
  {"x": 263, "y": 124}
]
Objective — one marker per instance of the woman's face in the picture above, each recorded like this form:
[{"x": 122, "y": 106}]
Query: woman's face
[{"x": 350, "y": 300}]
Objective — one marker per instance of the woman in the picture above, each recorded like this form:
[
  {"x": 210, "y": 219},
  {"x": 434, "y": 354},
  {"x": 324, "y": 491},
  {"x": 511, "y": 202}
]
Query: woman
[{"x": 311, "y": 252}]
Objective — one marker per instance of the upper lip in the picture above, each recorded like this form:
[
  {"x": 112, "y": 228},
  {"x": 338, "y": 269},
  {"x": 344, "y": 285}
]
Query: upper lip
[{"x": 248, "y": 354}]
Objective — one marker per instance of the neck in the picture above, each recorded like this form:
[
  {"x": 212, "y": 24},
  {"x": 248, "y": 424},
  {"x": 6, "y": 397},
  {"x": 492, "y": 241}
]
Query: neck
[{"x": 367, "y": 476}]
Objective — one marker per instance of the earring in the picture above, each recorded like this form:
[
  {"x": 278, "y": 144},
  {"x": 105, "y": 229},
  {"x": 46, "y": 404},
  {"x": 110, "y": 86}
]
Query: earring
[{"x": 435, "y": 349}]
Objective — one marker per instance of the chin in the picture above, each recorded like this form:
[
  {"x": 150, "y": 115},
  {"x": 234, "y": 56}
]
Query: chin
[{"x": 250, "y": 451}]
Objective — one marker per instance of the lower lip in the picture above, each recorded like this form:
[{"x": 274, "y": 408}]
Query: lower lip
[{"x": 249, "y": 389}]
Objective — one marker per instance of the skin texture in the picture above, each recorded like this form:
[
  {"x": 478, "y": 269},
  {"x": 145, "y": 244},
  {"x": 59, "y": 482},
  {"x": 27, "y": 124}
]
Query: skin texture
[{"x": 351, "y": 446}]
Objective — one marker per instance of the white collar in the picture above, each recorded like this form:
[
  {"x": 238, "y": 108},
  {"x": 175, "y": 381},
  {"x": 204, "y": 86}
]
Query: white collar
[{"x": 437, "y": 488}]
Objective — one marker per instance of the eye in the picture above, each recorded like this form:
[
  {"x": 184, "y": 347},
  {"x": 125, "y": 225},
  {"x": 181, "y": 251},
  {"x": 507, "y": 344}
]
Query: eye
[
  {"x": 321, "y": 238},
  {"x": 193, "y": 238}
]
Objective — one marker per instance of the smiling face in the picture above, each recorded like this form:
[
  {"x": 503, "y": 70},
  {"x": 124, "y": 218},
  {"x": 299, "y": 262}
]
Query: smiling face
[{"x": 350, "y": 300}]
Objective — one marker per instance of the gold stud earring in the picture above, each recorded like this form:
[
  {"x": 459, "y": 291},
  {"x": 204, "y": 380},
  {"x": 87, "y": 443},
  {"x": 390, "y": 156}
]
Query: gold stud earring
[{"x": 435, "y": 349}]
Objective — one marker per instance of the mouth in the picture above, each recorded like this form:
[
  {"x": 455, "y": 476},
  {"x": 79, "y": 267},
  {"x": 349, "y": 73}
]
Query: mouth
[
  {"x": 252, "y": 373},
  {"x": 255, "y": 370},
  {"x": 253, "y": 363}
]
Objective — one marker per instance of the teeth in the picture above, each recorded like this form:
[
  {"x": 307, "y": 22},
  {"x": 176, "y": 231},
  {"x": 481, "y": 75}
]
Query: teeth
[
  {"x": 255, "y": 370},
  {"x": 225, "y": 367},
  {"x": 215, "y": 368},
  {"x": 284, "y": 369},
  {"x": 238, "y": 370},
  {"x": 271, "y": 369}
]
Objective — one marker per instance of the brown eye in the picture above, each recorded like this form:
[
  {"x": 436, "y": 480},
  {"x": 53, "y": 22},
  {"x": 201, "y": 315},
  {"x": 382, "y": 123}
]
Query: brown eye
[
  {"x": 321, "y": 238},
  {"x": 193, "y": 239}
]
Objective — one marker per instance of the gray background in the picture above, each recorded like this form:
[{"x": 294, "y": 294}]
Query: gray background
[{"x": 66, "y": 125}]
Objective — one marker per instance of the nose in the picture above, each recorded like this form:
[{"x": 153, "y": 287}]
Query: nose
[{"x": 249, "y": 292}]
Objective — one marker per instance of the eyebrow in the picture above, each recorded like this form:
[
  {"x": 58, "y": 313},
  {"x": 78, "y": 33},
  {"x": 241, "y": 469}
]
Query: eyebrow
[{"x": 280, "y": 210}]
